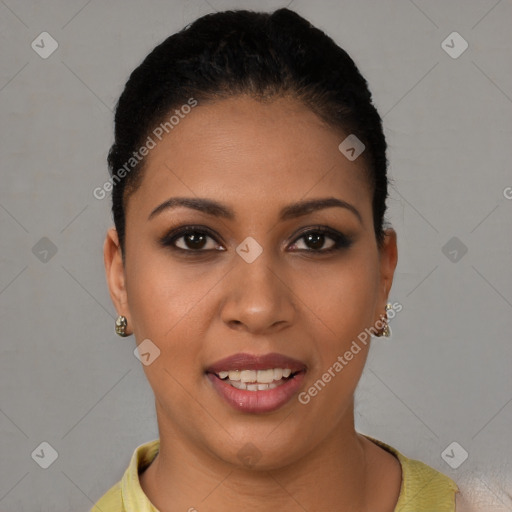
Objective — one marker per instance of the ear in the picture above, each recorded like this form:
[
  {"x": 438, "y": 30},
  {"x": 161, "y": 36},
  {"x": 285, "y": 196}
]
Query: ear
[
  {"x": 114, "y": 269},
  {"x": 388, "y": 259}
]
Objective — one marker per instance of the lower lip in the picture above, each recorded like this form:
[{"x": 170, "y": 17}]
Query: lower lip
[{"x": 267, "y": 400}]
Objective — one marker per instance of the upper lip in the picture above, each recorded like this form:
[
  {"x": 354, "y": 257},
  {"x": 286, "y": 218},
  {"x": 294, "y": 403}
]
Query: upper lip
[{"x": 244, "y": 361}]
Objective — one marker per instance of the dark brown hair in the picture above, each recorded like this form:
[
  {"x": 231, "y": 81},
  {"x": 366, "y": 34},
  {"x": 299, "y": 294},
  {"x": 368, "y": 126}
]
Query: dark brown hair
[{"x": 244, "y": 52}]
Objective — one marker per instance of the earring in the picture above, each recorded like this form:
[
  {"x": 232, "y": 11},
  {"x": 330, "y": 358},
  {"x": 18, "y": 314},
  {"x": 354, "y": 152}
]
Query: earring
[
  {"x": 121, "y": 324},
  {"x": 386, "y": 330}
]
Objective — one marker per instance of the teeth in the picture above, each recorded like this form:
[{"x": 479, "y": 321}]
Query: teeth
[
  {"x": 248, "y": 375},
  {"x": 265, "y": 376},
  {"x": 254, "y": 387},
  {"x": 259, "y": 376},
  {"x": 255, "y": 380}
]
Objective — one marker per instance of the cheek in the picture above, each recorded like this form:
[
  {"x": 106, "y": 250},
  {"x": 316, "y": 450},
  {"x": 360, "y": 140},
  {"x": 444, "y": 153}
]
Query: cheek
[
  {"x": 340, "y": 299},
  {"x": 170, "y": 304},
  {"x": 340, "y": 307},
  {"x": 167, "y": 307},
  {"x": 161, "y": 294}
]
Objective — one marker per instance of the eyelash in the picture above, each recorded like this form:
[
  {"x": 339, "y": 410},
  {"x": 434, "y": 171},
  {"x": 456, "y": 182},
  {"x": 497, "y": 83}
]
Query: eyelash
[{"x": 340, "y": 241}]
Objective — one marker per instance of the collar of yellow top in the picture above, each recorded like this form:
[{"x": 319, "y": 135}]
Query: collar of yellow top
[
  {"x": 134, "y": 499},
  {"x": 423, "y": 487}
]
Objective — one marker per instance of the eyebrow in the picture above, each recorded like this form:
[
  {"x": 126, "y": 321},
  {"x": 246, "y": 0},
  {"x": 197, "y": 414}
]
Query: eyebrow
[{"x": 216, "y": 209}]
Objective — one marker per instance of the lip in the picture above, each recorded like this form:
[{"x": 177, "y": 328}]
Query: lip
[
  {"x": 244, "y": 361},
  {"x": 257, "y": 401}
]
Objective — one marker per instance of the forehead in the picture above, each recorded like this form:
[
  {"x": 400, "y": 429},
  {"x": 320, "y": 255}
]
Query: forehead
[{"x": 248, "y": 152}]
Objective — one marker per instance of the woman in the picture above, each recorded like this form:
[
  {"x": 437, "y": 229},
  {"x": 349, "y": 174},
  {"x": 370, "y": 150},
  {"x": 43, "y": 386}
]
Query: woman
[{"x": 251, "y": 262}]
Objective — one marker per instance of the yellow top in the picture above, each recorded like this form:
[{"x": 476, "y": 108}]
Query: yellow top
[{"x": 423, "y": 488}]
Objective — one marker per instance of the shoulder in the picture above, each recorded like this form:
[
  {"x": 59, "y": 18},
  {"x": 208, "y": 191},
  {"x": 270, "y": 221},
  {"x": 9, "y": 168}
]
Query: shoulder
[
  {"x": 127, "y": 493},
  {"x": 111, "y": 501},
  {"x": 423, "y": 488}
]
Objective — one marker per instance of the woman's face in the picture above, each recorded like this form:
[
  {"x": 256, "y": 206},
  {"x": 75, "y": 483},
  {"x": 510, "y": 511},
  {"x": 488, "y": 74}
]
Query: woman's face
[{"x": 252, "y": 281}]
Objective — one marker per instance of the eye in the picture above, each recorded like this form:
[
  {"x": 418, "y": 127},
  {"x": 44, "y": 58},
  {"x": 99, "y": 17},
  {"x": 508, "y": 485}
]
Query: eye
[
  {"x": 199, "y": 239},
  {"x": 315, "y": 239},
  {"x": 191, "y": 239}
]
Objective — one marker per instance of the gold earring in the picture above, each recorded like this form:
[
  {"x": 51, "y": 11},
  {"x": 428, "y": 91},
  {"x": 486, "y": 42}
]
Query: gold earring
[
  {"x": 121, "y": 324},
  {"x": 386, "y": 330}
]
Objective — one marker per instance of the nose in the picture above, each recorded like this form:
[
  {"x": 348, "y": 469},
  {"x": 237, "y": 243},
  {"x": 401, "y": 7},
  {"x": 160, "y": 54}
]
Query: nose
[{"x": 258, "y": 297}]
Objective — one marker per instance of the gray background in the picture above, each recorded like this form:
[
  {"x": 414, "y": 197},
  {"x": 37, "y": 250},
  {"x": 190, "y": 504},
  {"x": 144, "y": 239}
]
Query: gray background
[{"x": 444, "y": 376}]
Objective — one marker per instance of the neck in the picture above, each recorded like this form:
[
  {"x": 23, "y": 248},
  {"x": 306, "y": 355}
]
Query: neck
[{"x": 184, "y": 477}]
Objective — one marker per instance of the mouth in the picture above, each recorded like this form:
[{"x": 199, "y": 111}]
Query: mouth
[
  {"x": 256, "y": 380},
  {"x": 257, "y": 384}
]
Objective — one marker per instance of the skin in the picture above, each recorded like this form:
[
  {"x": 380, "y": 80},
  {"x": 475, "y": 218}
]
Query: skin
[{"x": 255, "y": 158}]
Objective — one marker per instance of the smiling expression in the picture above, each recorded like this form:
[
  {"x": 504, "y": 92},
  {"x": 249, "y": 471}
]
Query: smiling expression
[{"x": 240, "y": 180}]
